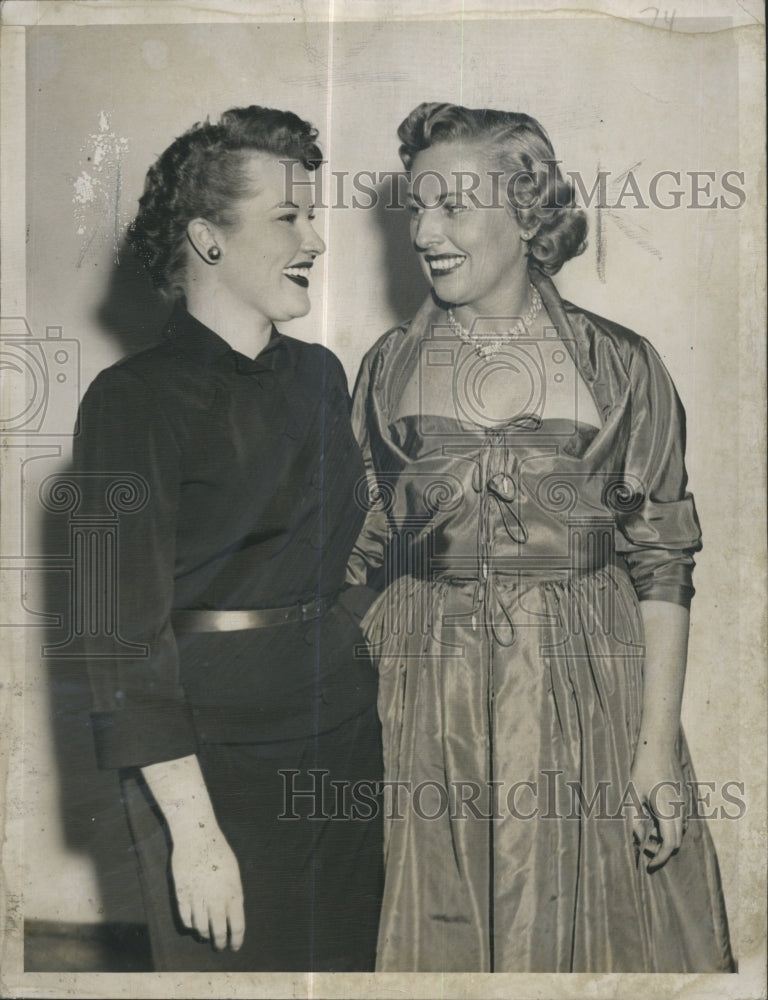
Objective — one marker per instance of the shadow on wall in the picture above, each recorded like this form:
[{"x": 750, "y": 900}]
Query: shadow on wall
[
  {"x": 131, "y": 312},
  {"x": 405, "y": 284},
  {"x": 91, "y": 810}
]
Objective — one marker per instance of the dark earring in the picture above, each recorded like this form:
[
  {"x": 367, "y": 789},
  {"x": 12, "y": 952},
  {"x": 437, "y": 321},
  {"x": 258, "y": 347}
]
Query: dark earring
[{"x": 214, "y": 253}]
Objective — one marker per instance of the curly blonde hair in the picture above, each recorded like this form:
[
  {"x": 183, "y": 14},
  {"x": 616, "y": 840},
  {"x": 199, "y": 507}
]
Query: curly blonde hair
[{"x": 544, "y": 202}]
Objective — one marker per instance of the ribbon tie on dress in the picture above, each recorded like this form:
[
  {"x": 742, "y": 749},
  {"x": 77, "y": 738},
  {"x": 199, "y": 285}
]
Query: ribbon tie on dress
[{"x": 494, "y": 480}]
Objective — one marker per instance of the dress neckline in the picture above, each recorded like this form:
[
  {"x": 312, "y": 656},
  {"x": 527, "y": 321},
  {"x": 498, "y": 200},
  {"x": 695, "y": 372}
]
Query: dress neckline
[
  {"x": 529, "y": 423},
  {"x": 572, "y": 338}
]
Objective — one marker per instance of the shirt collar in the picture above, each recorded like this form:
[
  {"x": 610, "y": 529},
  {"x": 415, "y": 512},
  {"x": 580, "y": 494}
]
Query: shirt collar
[{"x": 198, "y": 342}]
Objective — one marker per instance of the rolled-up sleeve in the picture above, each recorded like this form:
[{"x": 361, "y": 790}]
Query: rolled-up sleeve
[
  {"x": 659, "y": 529},
  {"x": 140, "y": 715}
]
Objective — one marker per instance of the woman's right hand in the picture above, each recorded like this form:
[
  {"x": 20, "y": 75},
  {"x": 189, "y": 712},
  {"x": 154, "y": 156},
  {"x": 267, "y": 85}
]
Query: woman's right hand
[
  {"x": 209, "y": 893},
  {"x": 206, "y": 875}
]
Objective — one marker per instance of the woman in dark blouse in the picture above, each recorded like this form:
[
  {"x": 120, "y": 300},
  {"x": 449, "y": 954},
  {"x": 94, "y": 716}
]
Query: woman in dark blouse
[
  {"x": 247, "y": 687},
  {"x": 538, "y": 539}
]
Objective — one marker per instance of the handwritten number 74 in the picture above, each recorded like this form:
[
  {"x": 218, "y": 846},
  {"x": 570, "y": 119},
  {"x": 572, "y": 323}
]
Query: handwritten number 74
[{"x": 668, "y": 17}]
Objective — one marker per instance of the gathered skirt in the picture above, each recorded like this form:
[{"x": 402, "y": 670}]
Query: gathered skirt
[{"x": 508, "y": 745}]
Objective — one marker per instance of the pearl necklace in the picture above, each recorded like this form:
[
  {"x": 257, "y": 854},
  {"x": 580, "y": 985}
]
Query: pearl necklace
[{"x": 488, "y": 344}]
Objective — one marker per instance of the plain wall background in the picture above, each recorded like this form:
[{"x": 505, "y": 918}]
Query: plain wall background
[{"x": 613, "y": 94}]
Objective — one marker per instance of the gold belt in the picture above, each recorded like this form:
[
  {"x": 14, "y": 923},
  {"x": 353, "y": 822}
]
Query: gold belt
[{"x": 235, "y": 621}]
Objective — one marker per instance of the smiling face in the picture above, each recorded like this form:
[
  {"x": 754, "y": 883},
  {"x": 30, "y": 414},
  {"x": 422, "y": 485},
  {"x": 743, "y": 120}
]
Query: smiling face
[
  {"x": 469, "y": 245},
  {"x": 267, "y": 256}
]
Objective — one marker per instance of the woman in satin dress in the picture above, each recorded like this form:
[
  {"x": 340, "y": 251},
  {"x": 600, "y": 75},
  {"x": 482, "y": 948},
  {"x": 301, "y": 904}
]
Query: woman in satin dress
[{"x": 529, "y": 521}]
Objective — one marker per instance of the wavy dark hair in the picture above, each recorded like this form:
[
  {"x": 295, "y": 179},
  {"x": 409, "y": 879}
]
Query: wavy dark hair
[
  {"x": 515, "y": 143},
  {"x": 202, "y": 174}
]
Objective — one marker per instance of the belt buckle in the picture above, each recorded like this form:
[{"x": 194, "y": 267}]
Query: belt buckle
[{"x": 308, "y": 612}]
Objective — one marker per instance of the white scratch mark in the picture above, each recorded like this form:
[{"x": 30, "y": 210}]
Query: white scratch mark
[{"x": 97, "y": 188}]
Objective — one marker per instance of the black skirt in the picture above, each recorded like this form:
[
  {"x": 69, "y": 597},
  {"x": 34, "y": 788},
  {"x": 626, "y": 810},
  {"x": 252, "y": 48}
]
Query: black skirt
[{"x": 310, "y": 852}]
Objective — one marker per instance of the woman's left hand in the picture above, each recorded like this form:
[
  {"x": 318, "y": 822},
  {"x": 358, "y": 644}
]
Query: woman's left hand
[{"x": 658, "y": 782}]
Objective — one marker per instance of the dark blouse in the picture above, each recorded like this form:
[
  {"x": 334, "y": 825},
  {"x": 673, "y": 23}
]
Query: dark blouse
[{"x": 251, "y": 469}]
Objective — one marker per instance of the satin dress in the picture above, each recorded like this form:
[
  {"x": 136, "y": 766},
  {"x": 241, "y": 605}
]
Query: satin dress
[{"x": 509, "y": 645}]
